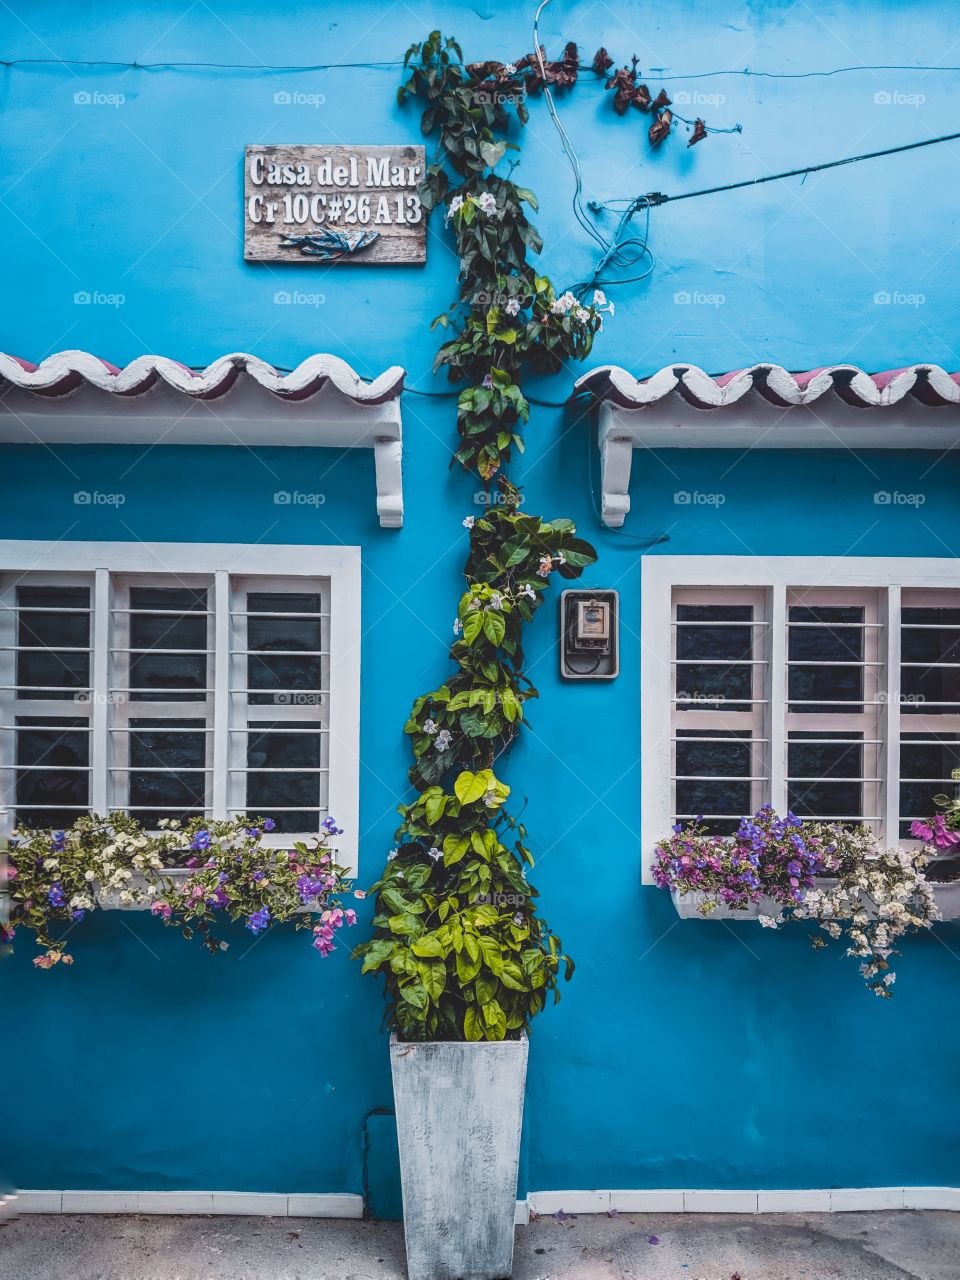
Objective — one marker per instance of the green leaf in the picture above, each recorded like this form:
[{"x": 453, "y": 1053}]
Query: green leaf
[
  {"x": 454, "y": 847},
  {"x": 472, "y": 1027},
  {"x": 428, "y": 945},
  {"x": 469, "y": 787},
  {"x": 494, "y": 626},
  {"x": 434, "y": 979}
]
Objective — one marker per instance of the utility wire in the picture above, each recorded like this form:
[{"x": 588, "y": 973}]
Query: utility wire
[
  {"x": 654, "y": 198},
  {"x": 382, "y": 65}
]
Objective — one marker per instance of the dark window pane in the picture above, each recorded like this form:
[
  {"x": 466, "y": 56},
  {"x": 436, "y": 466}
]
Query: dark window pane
[
  {"x": 925, "y": 756},
  {"x": 285, "y": 671},
  {"x": 931, "y": 642},
  {"x": 831, "y": 642},
  {"x": 54, "y": 632},
  {"x": 154, "y": 746},
  {"x": 832, "y": 768},
  {"x": 269, "y": 793},
  {"x": 718, "y": 679},
  {"x": 184, "y": 629},
  {"x": 727, "y": 754},
  {"x": 65, "y": 794}
]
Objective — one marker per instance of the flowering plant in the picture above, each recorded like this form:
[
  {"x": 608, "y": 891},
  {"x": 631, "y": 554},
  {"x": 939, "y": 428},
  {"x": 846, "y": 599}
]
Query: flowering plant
[
  {"x": 878, "y": 896},
  {"x": 768, "y": 857},
  {"x": 941, "y": 834},
  {"x": 825, "y": 872},
  {"x": 192, "y": 875}
]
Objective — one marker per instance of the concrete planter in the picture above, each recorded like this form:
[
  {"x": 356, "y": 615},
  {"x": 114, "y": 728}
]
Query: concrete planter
[
  {"x": 459, "y": 1108},
  {"x": 688, "y": 907}
]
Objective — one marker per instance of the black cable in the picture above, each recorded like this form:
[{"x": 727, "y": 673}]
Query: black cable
[
  {"x": 654, "y": 198},
  {"x": 333, "y": 66}
]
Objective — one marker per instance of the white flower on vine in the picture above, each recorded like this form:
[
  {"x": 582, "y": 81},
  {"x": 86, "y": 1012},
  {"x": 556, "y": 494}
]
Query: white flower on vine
[
  {"x": 510, "y": 69},
  {"x": 528, "y": 591},
  {"x": 391, "y": 855},
  {"x": 455, "y": 204},
  {"x": 512, "y": 306},
  {"x": 582, "y": 314},
  {"x": 435, "y": 854},
  {"x": 486, "y": 203},
  {"x": 561, "y": 558},
  {"x": 566, "y": 302},
  {"x": 457, "y": 626},
  {"x": 496, "y": 600},
  {"x": 443, "y": 740},
  {"x": 469, "y": 521},
  {"x": 546, "y": 567},
  {"x": 599, "y": 298},
  {"x": 430, "y": 726}
]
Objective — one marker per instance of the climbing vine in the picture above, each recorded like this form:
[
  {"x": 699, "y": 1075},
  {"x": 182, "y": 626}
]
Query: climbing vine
[{"x": 456, "y": 933}]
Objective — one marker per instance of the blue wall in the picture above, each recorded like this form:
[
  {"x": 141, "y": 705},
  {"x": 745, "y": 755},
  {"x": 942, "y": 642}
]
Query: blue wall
[{"x": 680, "y": 1055}]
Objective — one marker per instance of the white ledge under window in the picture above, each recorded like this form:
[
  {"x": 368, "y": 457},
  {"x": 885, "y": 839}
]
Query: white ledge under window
[
  {"x": 75, "y": 398},
  {"x": 766, "y": 407}
]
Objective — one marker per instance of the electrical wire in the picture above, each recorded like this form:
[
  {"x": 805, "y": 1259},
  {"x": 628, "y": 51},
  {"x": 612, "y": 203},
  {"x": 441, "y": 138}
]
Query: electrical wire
[{"x": 398, "y": 62}]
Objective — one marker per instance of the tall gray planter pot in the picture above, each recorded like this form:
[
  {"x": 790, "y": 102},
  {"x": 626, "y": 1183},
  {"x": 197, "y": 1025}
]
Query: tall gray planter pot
[{"x": 459, "y": 1110}]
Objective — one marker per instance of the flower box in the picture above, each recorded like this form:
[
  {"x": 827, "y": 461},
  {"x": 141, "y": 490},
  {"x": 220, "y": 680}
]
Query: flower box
[
  {"x": 109, "y": 899},
  {"x": 947, "y": 895},
  {"x": 688, "y": 907}
]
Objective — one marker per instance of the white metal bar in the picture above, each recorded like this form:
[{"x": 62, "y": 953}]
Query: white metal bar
[
  {"x": 890, "y": 720},
  {"x": 100, "y": 678},
  {"x": 221, "y": 695},
  {"x": 776, "y": 697}
]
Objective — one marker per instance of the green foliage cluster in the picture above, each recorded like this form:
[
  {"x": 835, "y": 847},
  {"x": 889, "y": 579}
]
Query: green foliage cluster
[{"x": 457, "y": 938}]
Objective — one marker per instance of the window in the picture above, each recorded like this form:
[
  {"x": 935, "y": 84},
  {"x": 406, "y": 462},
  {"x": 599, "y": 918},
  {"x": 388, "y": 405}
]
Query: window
[
  {"x": 761, "y": 685},
  {"x": 170, "y": 684}
]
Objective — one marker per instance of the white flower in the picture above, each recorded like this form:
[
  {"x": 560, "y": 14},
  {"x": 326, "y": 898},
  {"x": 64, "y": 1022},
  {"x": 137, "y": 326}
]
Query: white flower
[
  {"x": 512, "y": 306},
  {"x": 444, "y": 738},
  {"x": 391, "y": 855},
  {"x": 528, "y": 591},
  {"x": 469, "y": 521},
  {"x": 599, "y": 298},
  {"x": 510, "y": 69},
  {"x": 49, "y": 864},
  {"x": 457, "y": 626},
  {"x": 561, "y": 558},
  {"x": 486, "y": 203},
  {"x": 566, "y": 302},
  {"x": 518, "y": 919},
  {"x": 496, "y": 600},
  {"x": 435, "y": 854},
  {"x": 88, "y": 875},
  {"x": 768, "y": 922},
  {"x": 582, "y": 314},
  {"x": 490, "y": 799},
  {"x": 889, "y": 979},
  {"x": 610, "y": 309},
  {"x": 430, "y": 726},
  {"x": 546, "y": 567},
  {"x": 455, "y": 204}
]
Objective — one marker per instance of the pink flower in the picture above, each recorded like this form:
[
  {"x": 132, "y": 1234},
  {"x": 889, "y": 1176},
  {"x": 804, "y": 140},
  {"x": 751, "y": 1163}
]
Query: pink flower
[
  {"x": 161, "y": 909},
  {"x": 350, "y": 916},
  {"x": 359, "y": 893},
  {"x": 943, "y": 837}
]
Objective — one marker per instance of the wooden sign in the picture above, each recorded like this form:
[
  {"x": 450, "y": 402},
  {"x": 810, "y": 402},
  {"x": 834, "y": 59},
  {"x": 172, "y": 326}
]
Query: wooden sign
[{"x": 334, "y": 204}]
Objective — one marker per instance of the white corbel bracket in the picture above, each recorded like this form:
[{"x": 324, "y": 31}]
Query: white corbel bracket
[{"x": 388, "y": 455}]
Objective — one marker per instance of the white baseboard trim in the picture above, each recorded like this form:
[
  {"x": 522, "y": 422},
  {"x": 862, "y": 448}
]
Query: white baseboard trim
[
  {"x": 813, "y": 1200},
  {"x": 541, "y": 1203},
  {"x": 243, "y": 1203}
]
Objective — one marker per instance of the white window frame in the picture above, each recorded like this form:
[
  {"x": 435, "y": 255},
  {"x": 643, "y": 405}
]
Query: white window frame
[
  {"x": 260, "y": 567},
  {"x": 662, "y": 576}
]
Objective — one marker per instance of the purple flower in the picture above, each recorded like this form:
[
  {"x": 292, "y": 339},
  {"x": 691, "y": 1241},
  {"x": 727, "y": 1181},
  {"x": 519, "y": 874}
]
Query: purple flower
[
  {"x": 329, "y": 825},
  {"x": 259, "y": 920},
  {"x": 59, "y": 841},
  {"x": 77, "y": 915},
  {"x": 202, "y": 840},
  {"x": 55, "y": 896},
  {"x": 268, "y": 824}
]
